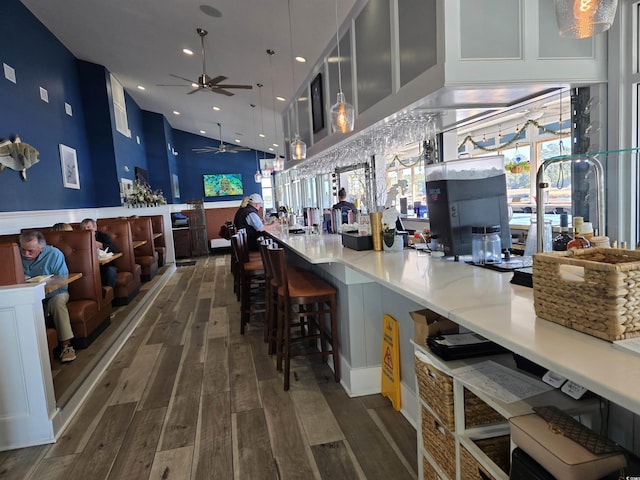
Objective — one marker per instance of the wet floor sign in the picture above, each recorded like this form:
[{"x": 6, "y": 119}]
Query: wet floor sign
[{"x": 390, "y": 361}]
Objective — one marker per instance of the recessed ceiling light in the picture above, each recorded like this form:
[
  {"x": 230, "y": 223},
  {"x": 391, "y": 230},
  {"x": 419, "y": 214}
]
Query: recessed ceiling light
[
  {"x": 140, "y": 87},
  {"x": 175, "y": 112},
  {"x": 237, "y": 140},
  {"x": 282, "y": 99},
  {"x": 270, "y": 149},
  {"x": 301, "y": 59},
  {"x": 195, "y": 85},
  {"x": 302, "y": 99},
  {"x": 186, "y": 51},
  {"x": 202, "y": 132},
  {"x": 276, "y": 145},
  {"x": 209, "y": 10},
  {"x": 217, "y": 109},
  {"x": 262, "y": 135}
]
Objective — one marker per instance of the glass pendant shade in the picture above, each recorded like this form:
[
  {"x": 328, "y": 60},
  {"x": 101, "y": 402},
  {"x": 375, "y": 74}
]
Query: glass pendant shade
[
  {"x": 342, "y": 115},
  {"x": 584, "y": 18},
  {"x": 278, "y": 164},
  {"x": 258, "y": 177},
  {"x": 298, "y": 148}
]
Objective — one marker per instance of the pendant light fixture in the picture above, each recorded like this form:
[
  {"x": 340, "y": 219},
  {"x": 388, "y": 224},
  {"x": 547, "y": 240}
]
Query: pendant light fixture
[
  {"x": 297, "y": 147},
  {"x": 342, "y": 113},
  {"x": 278, "y": 164},
  {"x": 584, "y": 18},
  {"x": 265, "y": 174},
  {"x": 258, "y": 176}
]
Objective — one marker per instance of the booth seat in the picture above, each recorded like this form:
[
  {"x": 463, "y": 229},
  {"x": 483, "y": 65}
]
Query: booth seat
[
  {"x": 128, "y": 280},
  {"x": 145, "y": 255},
  {"x": 90, "y": 304},
  {"x": 12, "y": 273},
  {"x": 157, "y": 223}
]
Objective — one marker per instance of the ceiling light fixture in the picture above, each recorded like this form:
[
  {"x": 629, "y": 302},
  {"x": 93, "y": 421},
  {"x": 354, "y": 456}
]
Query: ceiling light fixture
[
  {"x": 298, "y": 148},
  {"x": 584, "y": 18},
  {"x": 186, "y": 51},
  {"x": 278, "y": 164},
  {"x": 342, "y": 113},
  {"x": 140, "y": 87},
  {"x": 258, "y": 176}
]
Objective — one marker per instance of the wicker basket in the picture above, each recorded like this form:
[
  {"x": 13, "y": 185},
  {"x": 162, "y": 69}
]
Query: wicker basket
[
  {"x": 594, "y": 290},
  {"x": 428, "y": 472},
  {"x": 439, "y": 443},
  {"x": 497, "y": 449},
  {"x": 436, "y": 390}
]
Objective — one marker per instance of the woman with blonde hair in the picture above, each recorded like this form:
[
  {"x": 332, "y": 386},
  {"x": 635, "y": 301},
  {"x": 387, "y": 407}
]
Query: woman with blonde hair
[{"x": 62, "y": 227}]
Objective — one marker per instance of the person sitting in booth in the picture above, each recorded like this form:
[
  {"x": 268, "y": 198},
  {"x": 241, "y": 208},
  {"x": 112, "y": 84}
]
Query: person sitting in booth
[
  {"x": 62, "y": 227},
  {"x": 108, "y": 272},
  {"x": 38, "y": 258},
  {"x": 344, "y": 206}
]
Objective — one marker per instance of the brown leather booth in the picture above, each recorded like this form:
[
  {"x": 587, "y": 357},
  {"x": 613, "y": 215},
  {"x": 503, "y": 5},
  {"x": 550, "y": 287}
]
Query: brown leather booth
[
  {"x": 128, "y": 280},
  {"x": 145, "y": 255},
  {"x": 157, "y": 223},
  {"x": 12, "y": 273},
  {"x": 89, "y": 302}
]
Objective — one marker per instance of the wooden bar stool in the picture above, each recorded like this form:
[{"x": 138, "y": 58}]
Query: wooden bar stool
[
  {"x": 250, "y": 280},
  {"x": 306, "y": 312},
  {"x": 246, "y": 256}
]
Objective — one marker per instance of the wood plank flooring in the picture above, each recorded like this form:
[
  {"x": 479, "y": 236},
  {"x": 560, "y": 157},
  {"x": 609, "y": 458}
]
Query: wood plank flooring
[{"x": 188, "y": 397}]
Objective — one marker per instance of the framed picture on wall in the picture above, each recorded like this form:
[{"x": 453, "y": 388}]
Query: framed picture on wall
[
  {"x": 317, "y": 103},
  {"x": 175, "y": 185},
  {"x": 69, "y": 165}
]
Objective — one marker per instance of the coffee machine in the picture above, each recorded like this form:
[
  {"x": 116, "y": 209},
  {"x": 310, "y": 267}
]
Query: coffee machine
[{"x": 462, "y": 194}]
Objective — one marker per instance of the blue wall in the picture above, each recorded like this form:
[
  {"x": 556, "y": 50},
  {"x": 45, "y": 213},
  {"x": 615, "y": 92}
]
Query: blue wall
[
  {"x": 191, "y": 167},
  {"x": 104, "y": 155}
]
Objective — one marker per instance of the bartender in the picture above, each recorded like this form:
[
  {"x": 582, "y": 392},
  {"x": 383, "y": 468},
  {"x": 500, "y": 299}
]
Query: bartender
[{"x": 344, "y": 206}]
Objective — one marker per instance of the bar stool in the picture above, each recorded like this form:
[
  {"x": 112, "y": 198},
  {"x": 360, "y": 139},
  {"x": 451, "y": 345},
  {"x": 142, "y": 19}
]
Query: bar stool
[
  {"x": 304, "y": 301},
  {"x": 246, "y": 256},
  {"x": 249, "y": 280}
]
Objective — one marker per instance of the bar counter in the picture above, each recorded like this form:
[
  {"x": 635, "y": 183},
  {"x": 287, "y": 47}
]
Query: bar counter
[{"x": 479, "y": 299}]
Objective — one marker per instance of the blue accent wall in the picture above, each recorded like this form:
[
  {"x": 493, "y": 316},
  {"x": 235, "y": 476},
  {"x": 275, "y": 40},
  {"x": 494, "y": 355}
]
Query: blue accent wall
[
  {"x": 191, "y": 167},
  {"x": 40, "y": 60},
  {"x": 104, "y": 155}
]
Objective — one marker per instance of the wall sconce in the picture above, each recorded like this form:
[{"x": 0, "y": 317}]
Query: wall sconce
[{"x": 584, "y": 18}]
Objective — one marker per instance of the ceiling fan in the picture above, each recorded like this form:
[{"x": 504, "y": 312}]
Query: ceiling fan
[
  {"x": 222, "y": 148},
  {"x": 205, "y": 81}
]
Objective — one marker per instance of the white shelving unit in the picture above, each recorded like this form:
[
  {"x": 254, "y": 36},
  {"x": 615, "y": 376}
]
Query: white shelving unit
[{"x": 471, "y": 438}]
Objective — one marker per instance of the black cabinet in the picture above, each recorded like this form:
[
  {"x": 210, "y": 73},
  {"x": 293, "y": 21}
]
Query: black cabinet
[{"x": 182, "y": 242}]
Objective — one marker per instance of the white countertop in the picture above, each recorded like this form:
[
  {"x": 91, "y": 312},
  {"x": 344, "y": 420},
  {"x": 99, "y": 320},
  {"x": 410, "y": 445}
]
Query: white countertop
[{"x": 486, "y": 302}]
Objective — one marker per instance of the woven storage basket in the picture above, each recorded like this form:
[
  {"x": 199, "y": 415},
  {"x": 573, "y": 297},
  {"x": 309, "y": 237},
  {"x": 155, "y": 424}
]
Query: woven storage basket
[
  {"x": 604, "y": 303},
  {"x": 439, "y": 443},
  {"x": 436, "y": 390},
  {"x": 428, "y": 472},
  {"x": 477, "y": 412},
  {"x": 498, "y": 451}
]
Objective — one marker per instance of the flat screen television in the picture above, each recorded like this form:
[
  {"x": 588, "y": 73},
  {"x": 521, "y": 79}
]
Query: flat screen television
[{"x": 222, "y": 184}]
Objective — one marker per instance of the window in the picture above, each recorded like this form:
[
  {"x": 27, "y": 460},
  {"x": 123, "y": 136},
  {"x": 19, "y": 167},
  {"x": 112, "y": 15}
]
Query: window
[
  {"x": 267, "y": 193},
  {"x": 119, "y": 107},
  {"x": 405, "y": 179}
]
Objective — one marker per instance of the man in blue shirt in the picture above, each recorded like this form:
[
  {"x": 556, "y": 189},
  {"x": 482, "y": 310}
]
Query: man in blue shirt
[
  {"x": 249, "y": 218},
  {"x": 38, "y": 258}
]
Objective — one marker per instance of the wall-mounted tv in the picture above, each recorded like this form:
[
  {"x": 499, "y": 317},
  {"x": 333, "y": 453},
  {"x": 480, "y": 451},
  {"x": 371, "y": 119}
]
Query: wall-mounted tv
[{"x": 222, "y": 184}]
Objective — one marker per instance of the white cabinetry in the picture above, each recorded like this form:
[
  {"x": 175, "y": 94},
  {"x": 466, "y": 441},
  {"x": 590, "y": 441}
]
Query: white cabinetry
[{"x": 463, "y": 433}]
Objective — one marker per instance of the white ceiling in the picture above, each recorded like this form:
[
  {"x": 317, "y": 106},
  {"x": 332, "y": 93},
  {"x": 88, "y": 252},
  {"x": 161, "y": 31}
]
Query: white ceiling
[{"x": 141, "y": 42}]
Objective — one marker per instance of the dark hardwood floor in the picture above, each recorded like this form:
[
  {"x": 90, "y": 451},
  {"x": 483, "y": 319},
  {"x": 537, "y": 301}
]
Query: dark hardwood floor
[{"x": 188, "y": 397}]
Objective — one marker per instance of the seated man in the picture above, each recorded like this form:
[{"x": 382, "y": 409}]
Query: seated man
[
  {"x": 109, "y": 272},
  {"x": 249, "y": 219},
  {"x": 38, "y": 258}
]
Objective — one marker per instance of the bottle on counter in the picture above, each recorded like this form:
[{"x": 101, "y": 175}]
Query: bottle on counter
[
  {"x": 561, "y": 240},
  {"x": 578, "y": 242}
]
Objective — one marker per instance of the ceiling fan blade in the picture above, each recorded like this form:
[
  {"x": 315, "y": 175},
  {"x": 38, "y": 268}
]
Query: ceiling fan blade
[
  {"x": 244, "y": 87},
  {"x": 194, "y": 91},
  {"x": 222, "y": 92},
  {"x": 213, "y": 81},
  {"x": 183, "y": 78}
]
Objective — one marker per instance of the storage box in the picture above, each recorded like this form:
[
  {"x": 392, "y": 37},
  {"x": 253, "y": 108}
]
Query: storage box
[
  {"x": 593, "y": 290},
  {"x": 355, "y": 241},
  {"x": 427, "y": 323},
  {"x": 497, "y": 449},
  {"x": 439, "y": 443}
]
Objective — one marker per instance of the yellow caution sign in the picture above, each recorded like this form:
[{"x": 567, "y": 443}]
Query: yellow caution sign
[{"x": 390, "y": 361}]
